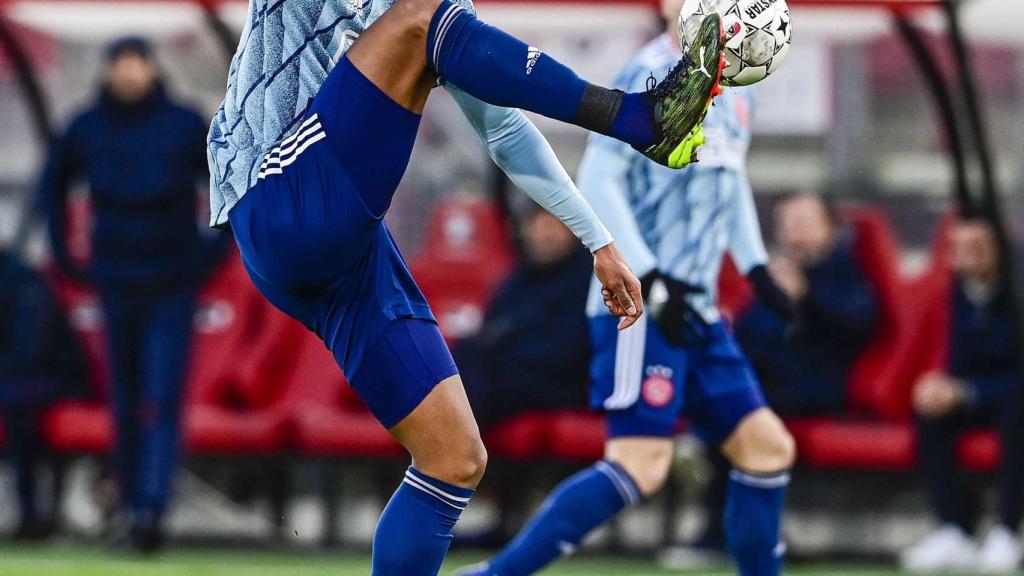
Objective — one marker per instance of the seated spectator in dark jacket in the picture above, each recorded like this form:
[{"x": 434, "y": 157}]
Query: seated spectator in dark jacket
[
  {"x": 805, "y": 373},
  {"x": 980, "y": 386},
  {"x": 532, "y": 350},
  {"x": 40, "y": 361}
]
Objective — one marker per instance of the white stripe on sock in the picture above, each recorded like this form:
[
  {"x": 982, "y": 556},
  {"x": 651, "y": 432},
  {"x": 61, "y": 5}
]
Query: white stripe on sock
[
  {"x": 442, "y": 30},
  {"x": 764, "y": 482},
  {"x": 422, "y": 489},
  {"x": 460, "y": 499},
  {"x": 621, "y": 486}
]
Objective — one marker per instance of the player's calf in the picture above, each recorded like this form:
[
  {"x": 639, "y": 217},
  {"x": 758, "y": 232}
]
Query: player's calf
[{"x": 762, "y": 452}]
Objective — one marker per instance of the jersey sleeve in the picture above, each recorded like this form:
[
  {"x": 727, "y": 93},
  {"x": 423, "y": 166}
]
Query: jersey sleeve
[
  {"x": 745, "y": 242},
  {"x": 520, "y": 150},
  {"x": 602, "y": 179}
]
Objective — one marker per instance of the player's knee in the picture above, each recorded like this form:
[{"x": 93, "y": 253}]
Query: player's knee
[
  {"x": 646, "y": 461},
  {"x": 779, "y": 450},
  {"x": 415, "y": 17},
  {"x": 466, "y": 466},
  {"x": 761, "y": 443}
]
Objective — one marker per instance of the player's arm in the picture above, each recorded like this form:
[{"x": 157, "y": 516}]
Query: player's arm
[
  {"x": 63, "y": 164},
  {"x": 748, "y": 252},
  {"x": 520, "y": 150},
  {"x": 602, "y": 181}
]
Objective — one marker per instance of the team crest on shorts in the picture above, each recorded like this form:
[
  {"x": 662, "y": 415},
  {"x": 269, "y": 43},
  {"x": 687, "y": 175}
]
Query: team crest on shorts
[{"x": 658, "y": 389}]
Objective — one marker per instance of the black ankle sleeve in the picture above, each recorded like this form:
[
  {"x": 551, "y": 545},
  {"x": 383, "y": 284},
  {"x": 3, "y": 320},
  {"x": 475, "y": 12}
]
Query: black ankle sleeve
[{"x": 598, "y": 109}]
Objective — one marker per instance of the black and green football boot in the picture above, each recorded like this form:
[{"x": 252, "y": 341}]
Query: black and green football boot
[{"x": 683, "y": 98}]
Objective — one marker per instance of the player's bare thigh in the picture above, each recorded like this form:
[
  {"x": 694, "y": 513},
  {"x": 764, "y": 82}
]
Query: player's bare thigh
[
  {"x": 646, "y": 459},
  {"x": 392, "y": 53},
  {"x": 442, "y": 436}
]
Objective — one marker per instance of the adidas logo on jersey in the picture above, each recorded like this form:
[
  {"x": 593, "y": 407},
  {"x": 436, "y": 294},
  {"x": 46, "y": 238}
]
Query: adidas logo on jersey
[{"x": 532, "y": 56}]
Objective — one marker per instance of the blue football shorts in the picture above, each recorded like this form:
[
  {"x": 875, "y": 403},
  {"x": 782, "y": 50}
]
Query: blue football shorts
[
  {"x": 645, "y": 385},
  {"x": 314, "y": 247}
]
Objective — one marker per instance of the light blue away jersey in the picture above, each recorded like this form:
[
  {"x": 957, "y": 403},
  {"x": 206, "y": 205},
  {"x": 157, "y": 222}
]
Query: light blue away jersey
[
  {"x": 679, "y": 221},
  {"x": 287, "y": 49}
]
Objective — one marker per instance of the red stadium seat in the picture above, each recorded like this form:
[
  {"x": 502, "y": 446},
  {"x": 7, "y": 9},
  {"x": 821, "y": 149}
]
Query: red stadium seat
[
  {"x": 77, "y": 427},
  {"x": 242, "y": 350},
  {"x": 466, "y": 253},
  {"x": 328, "y": 418},
  {"x": 576, "y": 436},
  {"x": 520, "y": 438},
  {"x": 734, "y": 292},
  {"x": 876, "y": 384},
  {"x": 833, "y": 443},
  {"x": 979, "y": 450}
]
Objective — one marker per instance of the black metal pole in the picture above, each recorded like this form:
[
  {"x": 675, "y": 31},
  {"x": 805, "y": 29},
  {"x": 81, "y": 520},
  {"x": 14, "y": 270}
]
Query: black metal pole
[
  {"x": 943, "y": 99},
  {"x": 225, "y": 37},
  {"x": 35, "y": 100},
  {"x": 973, "y": 107},
  {"x": 992, "y": 208}
]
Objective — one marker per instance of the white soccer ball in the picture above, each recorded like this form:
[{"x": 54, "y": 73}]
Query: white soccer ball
[{"x": 760, "y": 44}]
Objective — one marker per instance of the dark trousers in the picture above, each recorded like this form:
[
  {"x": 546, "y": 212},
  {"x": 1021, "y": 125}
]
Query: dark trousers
[
  {"x": 945, "y": 480},
  {"x": 21, "y": 425},
  {"x": 149, "y": 336}
]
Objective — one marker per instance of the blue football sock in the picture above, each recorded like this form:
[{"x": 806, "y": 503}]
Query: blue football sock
[
  {"x": 577, "y": 506},
  {"x": 753, "y": 521},
  {"x": 415, "y": 530},
  {"x": 502, "y": 70}
]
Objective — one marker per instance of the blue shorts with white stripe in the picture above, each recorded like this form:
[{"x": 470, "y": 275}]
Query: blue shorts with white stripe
[
  {"x": 645, "y": 385},
  {"x": 313, "y": 239}
]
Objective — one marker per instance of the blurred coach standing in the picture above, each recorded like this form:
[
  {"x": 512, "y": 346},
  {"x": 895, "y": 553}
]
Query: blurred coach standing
[{"x": 142, "y": 157}]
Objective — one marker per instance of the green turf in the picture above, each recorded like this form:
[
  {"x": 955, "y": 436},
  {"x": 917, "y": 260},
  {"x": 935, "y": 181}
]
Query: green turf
[{"x": 60, "y": 560}]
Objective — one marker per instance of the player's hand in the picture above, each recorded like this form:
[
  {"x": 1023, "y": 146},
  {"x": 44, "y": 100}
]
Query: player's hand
[
  {"x": 774, "y": 298},
  {"x": 937, "y": 394},
  {"x": 677, "y": 320},
  {"x": 619, "y": 286}
]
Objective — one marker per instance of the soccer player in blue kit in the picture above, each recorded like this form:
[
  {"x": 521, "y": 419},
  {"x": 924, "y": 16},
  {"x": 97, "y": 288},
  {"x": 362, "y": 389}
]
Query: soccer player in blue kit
[
  {"x": 322, "y": 107},
  {"x": 674, "y": 228}
]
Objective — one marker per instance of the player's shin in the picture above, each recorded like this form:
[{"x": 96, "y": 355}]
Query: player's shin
[
  {"x": 415, "y": 530},
  {"x": 502, "y": 70},
  {"x": 577, "y": 506},
  {"x": 753, "y": 518}
]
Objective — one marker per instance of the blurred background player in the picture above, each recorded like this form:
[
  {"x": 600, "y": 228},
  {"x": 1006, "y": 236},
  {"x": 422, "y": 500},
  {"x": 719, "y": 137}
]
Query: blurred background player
[
  {"x": 980, "y": 385},
  {"x": 532, "y": 351},
  {"x": 674, "y": 228},
  {"x": 142, "y": 157},
  {"x": 40, "y": 362}
]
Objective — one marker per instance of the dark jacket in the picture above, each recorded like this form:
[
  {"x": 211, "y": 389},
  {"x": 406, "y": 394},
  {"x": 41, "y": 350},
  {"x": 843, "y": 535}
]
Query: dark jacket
[
  {"x": 807, "y": 375},
  {"x": 533, "y": 349},
  {"x": 142, "y": 164},
  {"x": 40, "y": 357},
  {"x": 984, "y": 347}
]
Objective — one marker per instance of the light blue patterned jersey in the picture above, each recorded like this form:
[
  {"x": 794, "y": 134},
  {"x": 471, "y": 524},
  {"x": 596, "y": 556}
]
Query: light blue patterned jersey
[
  {"x": 679, "y": 221},
  {"x": 288, "y": 48}
]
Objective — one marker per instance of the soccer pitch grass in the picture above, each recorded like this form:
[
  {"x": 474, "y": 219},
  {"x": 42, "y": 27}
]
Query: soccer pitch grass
[{"x": 62, "y": 560}]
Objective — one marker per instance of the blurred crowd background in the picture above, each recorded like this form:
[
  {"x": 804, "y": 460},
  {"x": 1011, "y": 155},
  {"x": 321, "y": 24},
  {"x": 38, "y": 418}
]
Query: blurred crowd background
[{"x": 857, "y": 196}]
